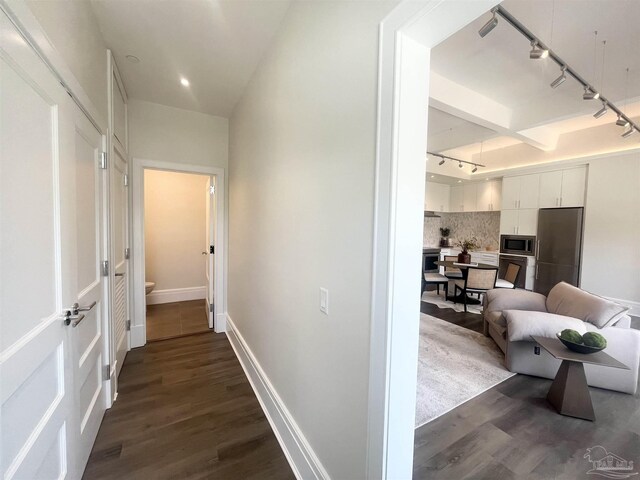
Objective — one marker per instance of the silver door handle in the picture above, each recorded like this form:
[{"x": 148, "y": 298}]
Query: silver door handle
[
  {"x": 75, "y": 308},
  {"x": 119, "y": 274},
  {"x": 72, "y": 320},
  {"x": 205, "y": 253}
]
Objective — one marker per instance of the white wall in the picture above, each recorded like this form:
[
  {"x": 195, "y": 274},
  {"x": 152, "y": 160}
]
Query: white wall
[
  {"x": 168, "y": 134},
  {"x": 73, "y": 30},
  {"x": 611, "y": 253},
  {"x": 302, "y": 164},
  {"x": 174, "y": 223}
]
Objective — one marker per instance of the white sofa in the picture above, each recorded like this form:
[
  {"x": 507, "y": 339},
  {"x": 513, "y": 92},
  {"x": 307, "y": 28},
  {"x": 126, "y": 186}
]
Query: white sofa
[{"x": 511, "y": 317}]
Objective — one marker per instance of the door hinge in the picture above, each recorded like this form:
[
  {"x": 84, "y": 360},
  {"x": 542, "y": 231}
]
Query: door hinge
[
  {"x": 107, "y": 372},
  {"x": 128, "y": 324},
  {"x": 127, "y": 253},
  {"x": 126, "y": 180},
  {"x": 103, "y": 160},
  {"x": 210, "y": 307},
  {"x": 105, "y": 268},
  {"x": 212, "y": 249}
]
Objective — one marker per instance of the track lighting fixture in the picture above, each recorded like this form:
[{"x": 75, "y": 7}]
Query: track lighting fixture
[
  {"x": 536, "y": 52},
  {"x": 490, "y": 25},
  {"x": 629, "y": 132},
  {"x": 560, "y": 80},
  {"x": 602, "y": 111},
  {"x": 539, "y": 50},
  {"x": 590, "y": 94},
  {"x": 621, "y": 122},
  {"x": 461, "y": 163}
]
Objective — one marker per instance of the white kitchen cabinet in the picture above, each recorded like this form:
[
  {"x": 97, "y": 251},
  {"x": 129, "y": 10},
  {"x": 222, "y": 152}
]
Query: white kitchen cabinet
[
  {"x": 469, "y": 198},
  {"x": 573, "y": 187},
  {"x": 436, "y": 197},
  {"x": 563, "y": 188},
  {"x": 521, "y": 191},
  {"x": 550, "y": 189},
  {"x": 488, "y": 196},
  {"x": 519, "y": 222},
  {"x": 456, "y": 203}
]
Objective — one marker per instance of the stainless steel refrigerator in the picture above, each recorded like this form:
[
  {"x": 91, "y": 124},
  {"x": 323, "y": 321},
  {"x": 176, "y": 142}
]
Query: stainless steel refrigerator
[{"x": 559, "y": 247}]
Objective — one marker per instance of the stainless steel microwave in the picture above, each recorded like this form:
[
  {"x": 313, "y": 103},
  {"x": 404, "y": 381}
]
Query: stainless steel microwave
[{"x": 518, "y": 244}]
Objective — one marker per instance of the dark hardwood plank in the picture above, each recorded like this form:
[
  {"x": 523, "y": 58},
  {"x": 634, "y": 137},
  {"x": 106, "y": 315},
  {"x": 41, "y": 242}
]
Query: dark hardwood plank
[
  {"x": 177, "y": 319},
  {"x": 186, "y": 410}
]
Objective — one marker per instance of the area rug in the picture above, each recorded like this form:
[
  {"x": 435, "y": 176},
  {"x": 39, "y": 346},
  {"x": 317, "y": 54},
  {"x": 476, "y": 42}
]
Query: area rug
[
  {"x": 440, "y": 301},
  {"x": 454, "y": 365}
]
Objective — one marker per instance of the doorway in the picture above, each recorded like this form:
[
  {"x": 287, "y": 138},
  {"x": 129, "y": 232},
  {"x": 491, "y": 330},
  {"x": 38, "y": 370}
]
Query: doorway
[
  {"x": 178, "y": 234},
  {"x": 176, "y": 221}
]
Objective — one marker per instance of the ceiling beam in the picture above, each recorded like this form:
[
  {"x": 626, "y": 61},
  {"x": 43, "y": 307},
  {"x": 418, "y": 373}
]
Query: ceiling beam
[{"x": 465, "y": 103}]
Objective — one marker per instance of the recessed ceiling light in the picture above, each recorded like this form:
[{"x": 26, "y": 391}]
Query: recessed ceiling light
[
  {"x": 133, "y": 59},
  {"x": 459, "y": 181},
  {"x": 184, "y": 82},
  {"x": 433, "y": 176},
  {"x": 487, "y": 178}
]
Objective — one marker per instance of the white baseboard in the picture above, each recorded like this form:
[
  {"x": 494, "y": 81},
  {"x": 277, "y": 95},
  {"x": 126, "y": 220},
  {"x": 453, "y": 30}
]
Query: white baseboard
[
  {"x": 176, "y": 295},
  {"x": 301, "y": 457}
]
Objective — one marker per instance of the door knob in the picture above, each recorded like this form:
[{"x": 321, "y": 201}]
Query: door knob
[{"x": 204, "y": 253}]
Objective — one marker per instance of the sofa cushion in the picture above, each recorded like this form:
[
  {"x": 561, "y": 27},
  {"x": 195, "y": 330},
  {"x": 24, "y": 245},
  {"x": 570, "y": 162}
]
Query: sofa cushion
[
  {"x": 565, "y": 299},
  {"x": 497, "y": 318},
  {"x": 521, "y": 325},
  {"x": 500, "y": 299}
]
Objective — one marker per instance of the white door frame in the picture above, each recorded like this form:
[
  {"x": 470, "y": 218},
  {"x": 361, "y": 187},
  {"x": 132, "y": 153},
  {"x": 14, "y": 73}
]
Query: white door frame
[
  {"x": 406, "y": 38},
  {"x": 139, "y": 321}
]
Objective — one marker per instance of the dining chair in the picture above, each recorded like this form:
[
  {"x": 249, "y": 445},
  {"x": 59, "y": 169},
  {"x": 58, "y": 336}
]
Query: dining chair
[
  {"x": 452, "y": 272},
  {"x": 432, "y": 278},
  {"x": 478, "y": 280},
  {"x": 510, "y": 277}
]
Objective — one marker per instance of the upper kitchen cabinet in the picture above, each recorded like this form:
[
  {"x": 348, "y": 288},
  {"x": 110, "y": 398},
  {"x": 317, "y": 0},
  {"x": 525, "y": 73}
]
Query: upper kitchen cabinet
[
  {"x": 436, "y": 198},
  {"x": 519, "y": 221},
  {"x": 463, "y": 198},
  {"x": 489, "y": 196},
  {"x": 563, "y": 188},
  {"x": 520, "y": 192}
]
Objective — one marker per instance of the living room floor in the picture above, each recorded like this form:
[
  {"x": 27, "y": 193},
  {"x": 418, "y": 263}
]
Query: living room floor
[{"x": 510, "y": 431}]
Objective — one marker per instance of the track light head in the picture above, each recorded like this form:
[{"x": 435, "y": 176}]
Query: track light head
[
  {"x": 621, "y": 122},
  {"x": 490, "y": 25},
  {"x": 629, "y": 132},
  {"x": 441, "y": 162},
  {"x": 475, "y": 169},
  {"x": 560, "y": 80},
  {"x": 601, "y": 112},
  {"x": 536, "y": 52},
  {"x": 590, "y": 94},
  {"x": 460, "y": 164}
]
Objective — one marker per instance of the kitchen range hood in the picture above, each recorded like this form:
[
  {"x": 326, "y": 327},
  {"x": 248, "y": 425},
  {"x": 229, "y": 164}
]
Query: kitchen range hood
[{"x": 429, "y": 214}]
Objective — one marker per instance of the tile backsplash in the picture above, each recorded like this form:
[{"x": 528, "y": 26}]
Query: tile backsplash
[{"x": 485, "y": 226}]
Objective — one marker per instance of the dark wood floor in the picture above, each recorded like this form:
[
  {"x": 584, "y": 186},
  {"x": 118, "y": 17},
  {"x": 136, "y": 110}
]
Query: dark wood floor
[
  {"x": 511, "y": 431},
  {"x": 185, "y": 410},
  {"x": 171, "y": 320}
]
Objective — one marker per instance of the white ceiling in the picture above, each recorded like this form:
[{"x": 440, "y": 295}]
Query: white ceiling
[
  {"x": 540, "y": 119},
  {"x": 215, "y": 44}
]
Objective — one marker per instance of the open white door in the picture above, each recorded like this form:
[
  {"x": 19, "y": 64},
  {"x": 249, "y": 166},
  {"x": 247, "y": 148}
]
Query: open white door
[
  {"x": 51, "y": 244},
  {"x": 210, "y": 247}
]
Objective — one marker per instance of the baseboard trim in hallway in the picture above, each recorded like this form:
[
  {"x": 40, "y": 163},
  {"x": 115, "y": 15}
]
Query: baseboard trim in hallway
[{"x": 303, "y": 460}]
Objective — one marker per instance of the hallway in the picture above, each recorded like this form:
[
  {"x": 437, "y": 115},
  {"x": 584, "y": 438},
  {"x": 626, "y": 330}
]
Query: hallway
[{"x": 186, "y": 410}]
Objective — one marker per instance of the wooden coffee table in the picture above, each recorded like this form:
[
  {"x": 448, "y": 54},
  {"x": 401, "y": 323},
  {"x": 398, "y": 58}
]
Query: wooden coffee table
[{"x": 569, "y": 392}]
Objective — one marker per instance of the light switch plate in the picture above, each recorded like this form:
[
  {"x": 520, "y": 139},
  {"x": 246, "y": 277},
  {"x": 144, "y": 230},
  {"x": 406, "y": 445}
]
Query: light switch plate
[{"x": 324, "y": 301}]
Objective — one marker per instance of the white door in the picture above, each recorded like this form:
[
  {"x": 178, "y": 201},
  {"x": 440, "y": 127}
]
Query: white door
[
  {"x": 210, "y": 219},
  {"x": 510, "y": 192},
  {"x": 51, "y": 243},
  {"x": 484, "y": 196},
  {"x": 508, "y": 222},
  {"x": 529, "y": 191},
  {"x": 573, "y": 187},
  {"x": 527, "y": 221},
  {"x": 88, "y": 283},
  {"x": 120, "y": 271}
]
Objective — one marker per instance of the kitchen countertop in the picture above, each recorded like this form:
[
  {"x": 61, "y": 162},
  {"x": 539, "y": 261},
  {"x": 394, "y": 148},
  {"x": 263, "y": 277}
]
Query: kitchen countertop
[{"x": 494, "y": 252}]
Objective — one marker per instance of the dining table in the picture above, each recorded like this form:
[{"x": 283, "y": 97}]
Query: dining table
[{"x": 463, "y": 267}]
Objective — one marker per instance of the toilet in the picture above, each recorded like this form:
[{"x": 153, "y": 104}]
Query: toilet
[{"x": 148, "y": 287}]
